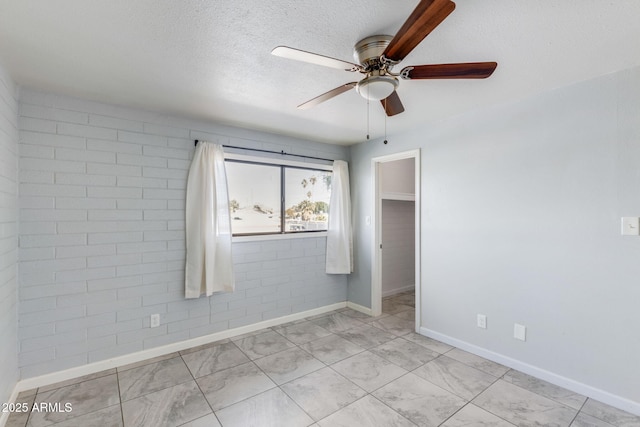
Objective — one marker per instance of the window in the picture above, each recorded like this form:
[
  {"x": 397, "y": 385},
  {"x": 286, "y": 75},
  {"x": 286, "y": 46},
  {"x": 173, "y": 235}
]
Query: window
[{"x": 277, "y": 198}]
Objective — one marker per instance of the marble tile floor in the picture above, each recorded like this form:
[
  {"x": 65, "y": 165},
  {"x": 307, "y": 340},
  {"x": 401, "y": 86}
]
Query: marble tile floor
[{"x": 338, "y": 369}]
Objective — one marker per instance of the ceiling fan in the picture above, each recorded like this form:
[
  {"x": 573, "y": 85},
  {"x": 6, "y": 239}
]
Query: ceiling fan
[{"x": 377, "y": 55}]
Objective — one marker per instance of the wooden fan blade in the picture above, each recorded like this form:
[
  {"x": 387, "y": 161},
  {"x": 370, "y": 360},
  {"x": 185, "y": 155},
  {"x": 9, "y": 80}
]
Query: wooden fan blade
[
  {"x": 468, "y": 70},
  {"x": 314, "y": 58},
  {"x": 392, "y": 104},
  {"x": 424, "y": 19},
  {"x": 326, "y": 96}
]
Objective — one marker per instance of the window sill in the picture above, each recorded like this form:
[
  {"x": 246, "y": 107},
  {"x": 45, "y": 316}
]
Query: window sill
[{"x": 263, "y": 237}]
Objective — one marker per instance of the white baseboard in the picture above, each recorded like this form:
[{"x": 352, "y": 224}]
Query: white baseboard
[
  {"x": 397, "y": 290},
  {"x": 91, "y": 368},
  {"x": 575, "y": 386},
  {"x": 360, "y": 308}
]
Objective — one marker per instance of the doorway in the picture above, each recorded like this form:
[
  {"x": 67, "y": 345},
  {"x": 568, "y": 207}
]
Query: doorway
[{"x": 396, "y": 183}]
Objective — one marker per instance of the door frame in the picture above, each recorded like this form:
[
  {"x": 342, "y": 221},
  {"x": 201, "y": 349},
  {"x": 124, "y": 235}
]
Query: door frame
[{"x": 376, "y": 255}]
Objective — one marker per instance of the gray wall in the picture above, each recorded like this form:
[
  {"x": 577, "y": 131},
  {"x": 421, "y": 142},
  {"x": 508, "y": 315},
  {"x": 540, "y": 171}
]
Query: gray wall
[
  {"x": 398, "y": 258},
  {"x": 102, "y": 193},
  {"x": 398, "y": 176},
  {"x": 8, "y": 235},
  {"x": 397, "y": 179},
  {"x": 521, "y": 208}
]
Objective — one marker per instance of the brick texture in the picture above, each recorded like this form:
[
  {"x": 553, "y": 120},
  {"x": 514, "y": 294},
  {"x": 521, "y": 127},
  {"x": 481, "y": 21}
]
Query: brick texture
[
  {"x": 102, "y": 193},
  {"x": 9, "y": 373}
]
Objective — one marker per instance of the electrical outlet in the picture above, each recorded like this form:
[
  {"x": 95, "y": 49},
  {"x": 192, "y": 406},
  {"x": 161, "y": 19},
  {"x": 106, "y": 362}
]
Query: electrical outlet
[
  {"x": 155, "y": 320},
  {"x": 630, "y": 226},
  {"x": 482, "y": 321},
  {"x": 519, "y": 332}
]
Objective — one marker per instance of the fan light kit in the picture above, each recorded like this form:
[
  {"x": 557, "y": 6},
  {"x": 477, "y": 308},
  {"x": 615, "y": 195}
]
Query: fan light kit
[
  {"x": 376, "y": 88},
  {"x": 377, "y": 55}
]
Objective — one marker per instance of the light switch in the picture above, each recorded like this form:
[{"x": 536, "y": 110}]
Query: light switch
[
  {"x": 630, "y": 226},
  {"x": 367, "y": 220},
  {"x": 519, "y": 332}
]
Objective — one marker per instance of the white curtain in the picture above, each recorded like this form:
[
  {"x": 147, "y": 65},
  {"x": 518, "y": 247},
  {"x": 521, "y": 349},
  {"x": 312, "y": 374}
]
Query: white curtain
[
  {"x": 209, "y": 266},
  {"x": 339, "y": 237}
]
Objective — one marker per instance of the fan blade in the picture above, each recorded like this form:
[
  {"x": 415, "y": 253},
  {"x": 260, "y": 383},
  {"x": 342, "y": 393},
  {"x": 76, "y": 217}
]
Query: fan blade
[
  {"x": 327, "y": 96},
  {"x": 314, "y": 58},
  {"x": 424, "y": 19},
  {"x": 392, "y": 104},
  {"x": 468, "y": 70}
]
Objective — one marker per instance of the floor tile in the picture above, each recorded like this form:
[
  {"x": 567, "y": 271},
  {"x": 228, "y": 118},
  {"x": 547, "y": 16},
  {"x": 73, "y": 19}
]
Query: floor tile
[
  {"x": 207, "y": 421},
  {"x": 404, "y": 353},
  {"x": 366, "y": 336},
  {"x": 214, "y": 359},
  {"x": 395, "y": 325},
  {"x": 149, "y": 378},
  {"x": 260, "y": 331},
  {"x": 456, "y": 377},
  {"x": 391, "y": 306},
  {"x": 303, "y": 332},
  {"x": 319, "y": 316},
  {"x": 169, "y": 407},
  {"x": 337, "y": 322},
  {"x": 27, "y": 393},
  {"x": 609, "y": 414},
  {"x": 203, "y": 346},
  {"x": 354, "y": 313},
  {"x": 471, "y": 415},
  {"x": 76, "y": 380},
  {"x": 107, "y": 417},
  {"x": 19, "y": 419},
  {"x": 293, "y": 322},
  {"x": 232, "y": 385},
  {"x": 366, "y": 412},
  {"x": 584, "y": 420},
  {"x": 368, "y": 370},
  {"x": 288, "y": 382},
  {"x": 407, "y": 315},
  {"x": 84, "y": 397},
  {"x": 323, "y": 392},
  {"x": 430, "y": 343},
  {"x": 272, "y": 408},
  {"x": 148, "y": 361},
  {"x": 405, "y": 298},
  {"x": 523, "y": 407},
  {"x": 288, "y": 365},
  {"x": 371, "y": 319},
  {"x": 331, "y": 349},
  {"x": 492, "y": 368},
  {"x": 545, "y": 389},
  {"x": 263, "y": 344},
  {"x": 419, "y": 400}
]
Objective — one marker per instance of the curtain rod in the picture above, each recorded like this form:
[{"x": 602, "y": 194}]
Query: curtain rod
[{"x": 273, "y": 152}]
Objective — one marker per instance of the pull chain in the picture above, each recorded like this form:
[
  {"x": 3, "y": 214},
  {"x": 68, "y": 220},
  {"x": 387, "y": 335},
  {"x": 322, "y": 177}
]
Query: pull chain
[
  {"x": 385, "y": 121},
  {"x": 367, "y": 118}
]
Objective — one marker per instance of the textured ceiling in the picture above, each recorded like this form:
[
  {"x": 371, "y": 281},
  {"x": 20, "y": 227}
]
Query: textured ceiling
[{"x": 211, "y": 58}]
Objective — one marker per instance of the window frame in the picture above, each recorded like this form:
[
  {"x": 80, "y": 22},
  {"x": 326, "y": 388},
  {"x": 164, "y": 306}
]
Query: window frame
[{"x": 282, "y": 164}]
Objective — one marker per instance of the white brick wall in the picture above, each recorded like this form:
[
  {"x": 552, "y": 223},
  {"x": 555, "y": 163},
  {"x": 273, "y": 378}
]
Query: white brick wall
[
  {"x": 102, "y": 192},
  {"x": 9, "y": 373}
]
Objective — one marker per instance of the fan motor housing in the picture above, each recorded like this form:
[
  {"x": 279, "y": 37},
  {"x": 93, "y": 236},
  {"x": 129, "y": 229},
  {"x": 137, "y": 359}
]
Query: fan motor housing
[{"x": 367, "y": 51}]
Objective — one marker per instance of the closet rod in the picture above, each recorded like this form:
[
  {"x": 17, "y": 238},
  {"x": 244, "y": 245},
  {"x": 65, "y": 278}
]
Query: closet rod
[{"x": 274, "y": 152}]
